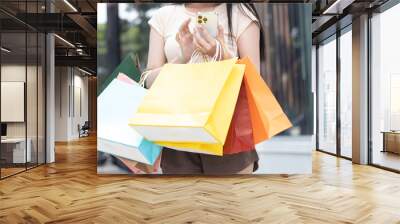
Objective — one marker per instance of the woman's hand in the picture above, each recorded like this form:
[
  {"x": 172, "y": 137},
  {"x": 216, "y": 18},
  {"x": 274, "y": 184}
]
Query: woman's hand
[
  {"x": 207, "y": 44},
  {"x": 185, "y": 41}
]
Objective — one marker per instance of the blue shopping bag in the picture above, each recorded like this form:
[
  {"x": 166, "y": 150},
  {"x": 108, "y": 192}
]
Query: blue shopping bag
[{"x": 115, "y": 106}]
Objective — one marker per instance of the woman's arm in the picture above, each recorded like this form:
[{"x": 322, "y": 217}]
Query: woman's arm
[
  {"x": 249, "y": 44},
  {"x": 156, "y": 58}
]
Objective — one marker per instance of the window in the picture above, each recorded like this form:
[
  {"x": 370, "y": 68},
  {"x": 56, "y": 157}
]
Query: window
[
  {"x": 327, "y": 96},
  {"x": 346, "y": 93},
  {"x": 385, "y": 89},
  {"x": 22, "y": 77}
]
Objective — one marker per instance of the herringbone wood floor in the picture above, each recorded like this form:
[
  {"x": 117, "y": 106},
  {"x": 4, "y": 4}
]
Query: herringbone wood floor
[{"x": 70, "y": 191}]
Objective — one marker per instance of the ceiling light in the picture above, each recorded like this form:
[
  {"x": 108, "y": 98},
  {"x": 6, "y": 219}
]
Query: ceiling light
[
  {"x": 337, "y": 7},
  {"x": 64, "y": 40},
  {"x": 70, "y": 5},
  {"x": 5, "y": 50},
  {"x": 84, "y": 71}
]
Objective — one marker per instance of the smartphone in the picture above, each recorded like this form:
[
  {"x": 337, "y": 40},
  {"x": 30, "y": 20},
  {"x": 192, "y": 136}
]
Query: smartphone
[{"x": 208, "y": 20}]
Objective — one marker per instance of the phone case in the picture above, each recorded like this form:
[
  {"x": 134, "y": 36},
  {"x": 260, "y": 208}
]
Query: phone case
[{"x": 210, "y": 21}]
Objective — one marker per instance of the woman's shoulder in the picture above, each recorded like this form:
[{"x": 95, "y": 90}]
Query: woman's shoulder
[
  {"x": 166, "y": 9},
  {"x": 242, "y": 17},
  {"x": 164, "y": 18},
  {"x": 242, "y": 12}
]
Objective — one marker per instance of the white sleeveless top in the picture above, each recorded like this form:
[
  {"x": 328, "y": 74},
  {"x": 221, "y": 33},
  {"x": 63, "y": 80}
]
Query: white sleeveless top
[{"x": 167, "y": 20}]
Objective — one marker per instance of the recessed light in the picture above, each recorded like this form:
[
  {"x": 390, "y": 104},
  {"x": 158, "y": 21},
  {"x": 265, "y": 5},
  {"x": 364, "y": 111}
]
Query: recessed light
[
  {"x": 84, "y": 71},
  {"x": 337, "y": 7},
  {"x": 70, "y": 5},
  {"x": 5, "y": 49},
  {"x": 64, "y": 40}
]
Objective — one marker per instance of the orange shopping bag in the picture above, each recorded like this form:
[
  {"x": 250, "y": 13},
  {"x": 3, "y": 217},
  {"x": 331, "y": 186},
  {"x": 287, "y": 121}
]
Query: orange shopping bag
[{"x": 267, "y": 116}]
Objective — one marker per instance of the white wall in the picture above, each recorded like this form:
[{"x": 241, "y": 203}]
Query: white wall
[
  {"x": 61, "y": 103},
  {"x": 14, "y": 73},
  {"x": 33, "y": 126},
  {"x": 81, "y": 103},
  {"x": 17, "y": 73},
  {"x": 71, "y": 94}
]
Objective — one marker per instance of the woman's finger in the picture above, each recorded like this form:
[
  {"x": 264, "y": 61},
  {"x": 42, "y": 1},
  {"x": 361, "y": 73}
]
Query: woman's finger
[
  {"x": 198, "y": 46},
  {"x": 184, "y": 28},
  {"x": 184, "y": 33},
  {"x": 207, "y": 46}
]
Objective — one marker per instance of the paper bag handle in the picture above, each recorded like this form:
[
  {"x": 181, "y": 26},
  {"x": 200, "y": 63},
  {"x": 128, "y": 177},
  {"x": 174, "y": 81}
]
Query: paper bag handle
[
  {"x": 198, "y": 57},
  {"x": 143, "y": 78}
]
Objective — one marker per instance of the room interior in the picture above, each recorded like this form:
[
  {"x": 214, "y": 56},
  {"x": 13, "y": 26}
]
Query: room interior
[
  {"x": 341, "y": 189},
  {"x": 72, "y": 84},
  {"x": 25, "y": 102},
  {"x": 22, "y": 101}
]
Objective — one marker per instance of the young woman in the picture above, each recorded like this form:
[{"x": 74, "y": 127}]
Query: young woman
[{"x": 173, "y": 38}]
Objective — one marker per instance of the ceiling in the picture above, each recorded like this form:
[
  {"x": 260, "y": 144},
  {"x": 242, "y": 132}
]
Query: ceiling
[
  {"x": 330, "y": 15},
  {"x": 74, "y": 21}
]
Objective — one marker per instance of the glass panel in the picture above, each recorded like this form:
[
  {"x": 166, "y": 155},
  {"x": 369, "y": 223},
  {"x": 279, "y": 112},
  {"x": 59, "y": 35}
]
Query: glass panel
[
  {"x": 32, "y": 89},
  {"x": 346, "y": 93},
  {"x": 327, "y": 96},
  {"x": 41, "y": 99},
  {"x": 31, "y": 100},
  {"x": 13, "y": 90},
  {"x": 22, "y": 63},
  {"x": 385, "y": 84}
]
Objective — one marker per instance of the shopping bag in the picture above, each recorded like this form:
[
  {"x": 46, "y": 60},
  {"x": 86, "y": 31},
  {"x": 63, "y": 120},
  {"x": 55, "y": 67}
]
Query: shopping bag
[
  {"x": 127, "y": 67},
  {"x": 115, "y": 105},
  {"x": 141, "y": 168},
  {"x": 190, "y": 104},
  {"x": 240, "y": 134},
  {"x": 267, "y": 116}
]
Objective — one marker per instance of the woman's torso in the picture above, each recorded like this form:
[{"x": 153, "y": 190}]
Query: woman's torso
[{"x": 168, "y": 19}]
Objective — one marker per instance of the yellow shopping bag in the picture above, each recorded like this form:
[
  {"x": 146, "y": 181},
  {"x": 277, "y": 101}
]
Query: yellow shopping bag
[{"x": 191, "y": 104}]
